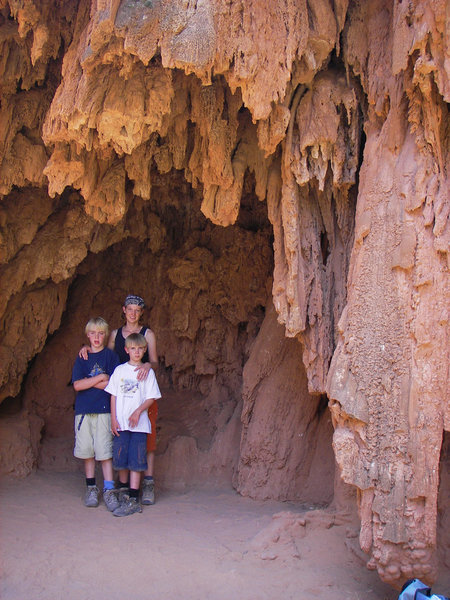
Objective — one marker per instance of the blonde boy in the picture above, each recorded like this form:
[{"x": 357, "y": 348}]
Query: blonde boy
[
  {"x": 130, "y": 401},
  {"x": 93, "y": 437}
]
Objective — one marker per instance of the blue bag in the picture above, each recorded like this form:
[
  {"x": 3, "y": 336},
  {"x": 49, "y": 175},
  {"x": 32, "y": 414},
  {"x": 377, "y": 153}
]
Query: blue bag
[{"x": 414, "y": 589}]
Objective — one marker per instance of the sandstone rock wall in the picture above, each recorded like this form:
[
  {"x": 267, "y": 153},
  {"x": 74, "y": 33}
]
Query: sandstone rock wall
[
  {"x": 333, "y": 114},
  {"x": 286, "y": 432}
]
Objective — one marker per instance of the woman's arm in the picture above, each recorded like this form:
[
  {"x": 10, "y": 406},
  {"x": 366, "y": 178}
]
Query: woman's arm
[
  {"x": 84, "y": 351},
  {"x": 143, "y": 370},
  {"x": 112, "y": 339},
  {"x": 151, "y": 346}
]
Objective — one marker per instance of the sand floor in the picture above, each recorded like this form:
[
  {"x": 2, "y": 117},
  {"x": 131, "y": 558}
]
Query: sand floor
[{"x": 203, "y": 544}]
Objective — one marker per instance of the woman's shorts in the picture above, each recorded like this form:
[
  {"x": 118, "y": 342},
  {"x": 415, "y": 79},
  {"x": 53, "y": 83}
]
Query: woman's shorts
[
  {"x": 93, "y": 437},
  {"x": 151, "y": 437},
  {"x": 130, "y": 451}
]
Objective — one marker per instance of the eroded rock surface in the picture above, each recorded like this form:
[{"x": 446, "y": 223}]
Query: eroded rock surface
[
  {"x": 121, "y": 120},
  {"x": 286, "y": 432}
]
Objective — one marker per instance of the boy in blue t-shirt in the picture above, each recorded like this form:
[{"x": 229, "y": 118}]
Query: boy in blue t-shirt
[{"x": 93, "y": 436}]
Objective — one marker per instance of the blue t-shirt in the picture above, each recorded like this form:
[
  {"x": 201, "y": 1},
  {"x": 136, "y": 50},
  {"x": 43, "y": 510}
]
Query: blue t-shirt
[{"x": 93, "y": 400}]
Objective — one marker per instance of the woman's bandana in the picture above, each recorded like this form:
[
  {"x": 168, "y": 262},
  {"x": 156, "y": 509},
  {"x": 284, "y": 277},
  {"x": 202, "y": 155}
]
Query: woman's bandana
[{"x": 134, "y": 300}]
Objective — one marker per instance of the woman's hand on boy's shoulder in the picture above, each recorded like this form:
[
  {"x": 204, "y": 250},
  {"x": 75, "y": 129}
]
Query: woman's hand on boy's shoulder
[
  {"x": 84, "y": 352},
  {"x": 143, "y": 371}
]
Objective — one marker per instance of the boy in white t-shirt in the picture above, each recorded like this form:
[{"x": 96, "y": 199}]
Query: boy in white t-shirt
[{"x": 130, "y": 400}]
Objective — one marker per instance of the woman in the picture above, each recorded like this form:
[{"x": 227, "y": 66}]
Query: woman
[{"x": 132, "y": 309}]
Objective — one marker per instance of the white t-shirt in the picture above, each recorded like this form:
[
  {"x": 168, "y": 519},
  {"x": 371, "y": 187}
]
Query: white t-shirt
[{"x": 130, "y": 394}]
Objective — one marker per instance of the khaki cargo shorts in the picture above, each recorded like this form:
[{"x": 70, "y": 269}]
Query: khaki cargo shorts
[{"x": 93, "y": 437}]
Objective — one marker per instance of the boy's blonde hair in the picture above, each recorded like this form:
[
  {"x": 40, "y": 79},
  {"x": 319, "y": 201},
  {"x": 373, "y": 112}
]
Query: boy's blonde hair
[
  {"x": 97, "y": 323},
  {"x": 137, "y": 339}
]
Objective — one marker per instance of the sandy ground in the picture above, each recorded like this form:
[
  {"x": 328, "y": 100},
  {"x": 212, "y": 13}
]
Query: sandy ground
[{"x": 201, "y": 544}]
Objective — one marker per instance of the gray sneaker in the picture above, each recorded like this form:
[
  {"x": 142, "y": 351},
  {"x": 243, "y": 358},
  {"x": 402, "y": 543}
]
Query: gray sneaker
[
  {"x": 123, "y": 494},
  {"x": 91, "y": 496},
  {"x": 148, "y": 492},
  {"x": 128, "y": 507},
  {"x": 111, "y": 501}
]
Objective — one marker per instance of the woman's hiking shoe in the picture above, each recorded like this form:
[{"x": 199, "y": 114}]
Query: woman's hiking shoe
[
  {"x": 130, "y": 506},
  {"x": 111, "y": 501},
  {"x": 148, "y": 492},
  {"x": 91, "y": 496}
]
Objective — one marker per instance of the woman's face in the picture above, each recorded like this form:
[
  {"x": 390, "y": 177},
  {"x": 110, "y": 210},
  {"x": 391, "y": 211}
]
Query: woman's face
[{"x": 132, "y": 313}]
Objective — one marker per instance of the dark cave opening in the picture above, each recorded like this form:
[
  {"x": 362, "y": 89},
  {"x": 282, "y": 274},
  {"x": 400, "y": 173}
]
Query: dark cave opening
[{"x": 207, "y": 290}]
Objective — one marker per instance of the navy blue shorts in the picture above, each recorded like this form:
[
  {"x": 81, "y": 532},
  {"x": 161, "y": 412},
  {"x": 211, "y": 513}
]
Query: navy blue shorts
[{"x": 130, "y": 451}]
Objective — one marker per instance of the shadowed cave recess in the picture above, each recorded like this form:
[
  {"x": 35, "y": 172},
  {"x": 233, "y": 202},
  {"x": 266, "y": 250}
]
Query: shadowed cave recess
[
  {"x": 273, "y": 181},
  {"x": 208, "y": 295}
]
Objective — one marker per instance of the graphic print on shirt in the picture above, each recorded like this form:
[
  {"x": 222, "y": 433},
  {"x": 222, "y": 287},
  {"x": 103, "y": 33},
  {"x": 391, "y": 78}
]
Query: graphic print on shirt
[
  {"x": 96, "y": 370},
  {"x": 129, "y": 387}
]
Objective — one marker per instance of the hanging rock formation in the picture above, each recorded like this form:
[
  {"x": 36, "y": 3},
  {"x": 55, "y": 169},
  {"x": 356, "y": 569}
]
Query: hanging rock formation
[{"x": 121, "y": 120}]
